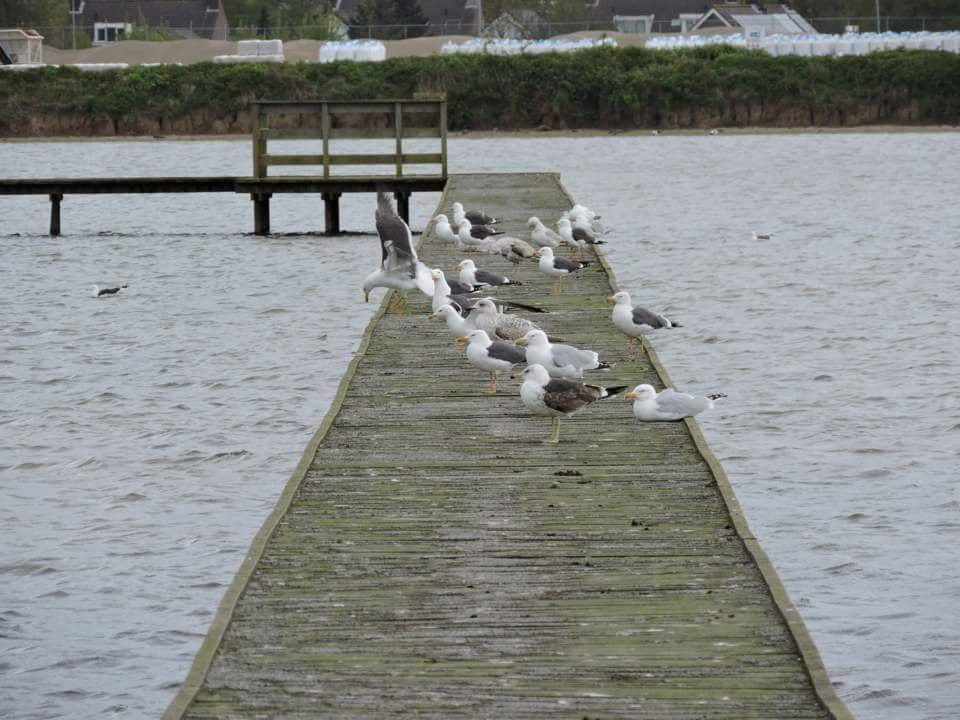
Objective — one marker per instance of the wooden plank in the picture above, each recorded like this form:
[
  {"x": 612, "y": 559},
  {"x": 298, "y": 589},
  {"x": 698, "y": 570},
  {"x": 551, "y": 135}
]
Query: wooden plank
[
  {"x": 352, "y": 133},
  {"x": 431, "y": 557}
]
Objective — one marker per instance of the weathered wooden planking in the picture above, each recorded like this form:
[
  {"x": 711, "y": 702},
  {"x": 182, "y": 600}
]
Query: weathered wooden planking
[{"x": 431, "y": 557}]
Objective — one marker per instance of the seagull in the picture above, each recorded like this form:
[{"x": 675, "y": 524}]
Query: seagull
[
  {"x": 443, "y": 295},
  {"x": 558, "y": 397},
  {"x": 558, "y": 267},
  {"x": 561, "y": 361},
  {"x": 399, "y": 269},
  {"x": 513, "y": 249},
  {"x": 759, "y": 236},
  {"x": 654, "y": 132},
  {"x": 633, "y": 320},
  {"x": 477, "y": 217},
  {"x": 456, "y": 323},
  {"x": 469, "y": 275},
  {"x": 442, "y": 229},
  {"x": 651, "y": 406},
  {"x": 486, "y": 316},
  {"x": 576, "y": 236},
  {"x": 541, "y": 235},
  {"x": 491, "y": 355},
  {"x": 714, "y": 132},
  {"x": 443, "y": 292},
  {"x": 107, "y": 291}
]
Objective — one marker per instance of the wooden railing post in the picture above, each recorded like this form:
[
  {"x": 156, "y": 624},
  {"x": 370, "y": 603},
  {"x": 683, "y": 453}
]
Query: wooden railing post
[
  {"x": 259, "y": 141},
  {"x": 325, "y": 133},
  {"x": 443, "y": 137},
  {"x": 398, "y": 131}
]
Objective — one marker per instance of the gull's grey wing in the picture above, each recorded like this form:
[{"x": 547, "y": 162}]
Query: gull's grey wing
[
  {"x": 396, "y": 241},
  {"x": 682, "y": 404},
  {"x": 564, "y": 355},
  {"x": 568, "y": 396},
  {"x": 569, "y": 265},
  {"x": 642, "y": 316},
  {"x": 581, "y": 235},
  {"x": 507, "y": 352},
  {"x": 489, "y": 278}
]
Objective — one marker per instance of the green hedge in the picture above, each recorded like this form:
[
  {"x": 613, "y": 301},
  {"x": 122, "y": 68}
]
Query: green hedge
[{"x": 600, "y": 88}]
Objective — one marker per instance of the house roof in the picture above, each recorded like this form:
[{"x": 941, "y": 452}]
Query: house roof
[
  {"x": 198, "y": 15},
  {"x": 663, "y": 11},
  {"x": 444, "y": 16}
]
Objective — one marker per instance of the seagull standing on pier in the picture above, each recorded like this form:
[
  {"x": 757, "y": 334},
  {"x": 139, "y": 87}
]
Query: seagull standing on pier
[
  {"x": 557, "y": 397},
  {"x": 558, "y": 267},
  {"x": 477, "y": 217},
  {"x": 400, "y": 269},
  {"x": 576, "y": 236},
  {"x": 541, "y": 235},
  {"x": 492, "y": 355},
  {"x": 561, "y": 361},
  {"x": 456, "y": 323},
  {"x": 651, "y": 406},
  {"x": 442, "y": 229},
  {"x": 481, "y": 278},
  {"x": 635, "y": 321},
  {"x": 487, "y": 317}
]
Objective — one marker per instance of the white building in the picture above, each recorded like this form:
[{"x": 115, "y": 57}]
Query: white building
[{"x": 23, "y": 47}]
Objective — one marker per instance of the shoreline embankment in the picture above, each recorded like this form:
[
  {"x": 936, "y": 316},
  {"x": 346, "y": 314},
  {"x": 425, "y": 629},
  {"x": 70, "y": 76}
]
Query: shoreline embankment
[{"x": 601, "y": 90}]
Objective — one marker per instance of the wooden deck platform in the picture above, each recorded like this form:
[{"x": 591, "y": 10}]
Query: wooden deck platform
[
  {"x": 431, "y": 558},
  {"x": 260, "y": 189}
]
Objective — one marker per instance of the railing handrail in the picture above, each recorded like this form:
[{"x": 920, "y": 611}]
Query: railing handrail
[{"x": 263, "y": 159}]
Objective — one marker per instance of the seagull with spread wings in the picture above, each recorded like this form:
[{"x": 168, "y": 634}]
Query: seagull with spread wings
[{"x": 400, "y": 269}]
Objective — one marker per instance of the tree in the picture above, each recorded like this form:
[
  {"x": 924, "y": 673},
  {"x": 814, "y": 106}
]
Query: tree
[{"x": 390, "y": 20}]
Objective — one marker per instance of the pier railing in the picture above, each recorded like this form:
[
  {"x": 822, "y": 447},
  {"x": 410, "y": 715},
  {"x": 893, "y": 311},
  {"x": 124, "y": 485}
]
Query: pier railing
[{"x": 328, "y": 120}]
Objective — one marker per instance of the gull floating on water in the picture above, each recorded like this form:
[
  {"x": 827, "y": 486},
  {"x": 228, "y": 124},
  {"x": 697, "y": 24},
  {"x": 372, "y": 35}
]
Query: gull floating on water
[
  {"x": 561, "y": 361},
  {"x": 399, "y": 269},
  {"x": 651, "y": 406},
  {"x": 633, "y": 320},
  {"x": 481, "y": 278},
  {"x": 491, "y": 355},
  {"x": 761, "y": 236},
  {"x": 558, "y": 397},
  {"x": 541, "y": 235},
  {"x": 106, "y": 291}
]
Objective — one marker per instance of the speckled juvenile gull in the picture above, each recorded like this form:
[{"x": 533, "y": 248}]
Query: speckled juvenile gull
[
  {"x": 651, "y": 406},
  {"x": 486, "y": 316}
]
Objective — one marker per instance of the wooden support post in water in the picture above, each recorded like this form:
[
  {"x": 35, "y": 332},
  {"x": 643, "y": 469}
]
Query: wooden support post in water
[
  {"x": 261, "y": 213},
  {"x": 331, "y": 207},
  {"x": 55, "y": 199},
  {"x": 403, "y": 205}
]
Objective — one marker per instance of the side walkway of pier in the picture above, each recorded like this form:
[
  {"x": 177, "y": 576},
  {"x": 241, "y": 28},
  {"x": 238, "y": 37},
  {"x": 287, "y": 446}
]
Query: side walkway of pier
[{"x": 431, "y": 557}]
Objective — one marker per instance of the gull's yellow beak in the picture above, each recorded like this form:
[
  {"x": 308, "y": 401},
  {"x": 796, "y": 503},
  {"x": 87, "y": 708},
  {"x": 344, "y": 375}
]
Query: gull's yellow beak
[
  {"x": 366, "y": 296},
  {"x": 431, "y": 316},
  {"x": 610, "y": 299},
  {"x": 461, "y": 341},
  {"x": 520, "y": 341},
  {"x": 457, "y": 266},
  {"x": 630, "y": 395}
]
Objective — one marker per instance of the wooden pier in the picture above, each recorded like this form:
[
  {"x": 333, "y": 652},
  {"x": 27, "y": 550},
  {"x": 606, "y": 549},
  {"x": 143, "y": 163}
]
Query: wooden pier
[
  {"x": 398, "y": 120},
  {"x": 430, "y": 557}
]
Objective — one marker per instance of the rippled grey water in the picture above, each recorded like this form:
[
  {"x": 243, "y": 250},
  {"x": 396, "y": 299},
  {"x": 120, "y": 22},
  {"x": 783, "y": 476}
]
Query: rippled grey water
[{"x": 144, "y": 438}]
